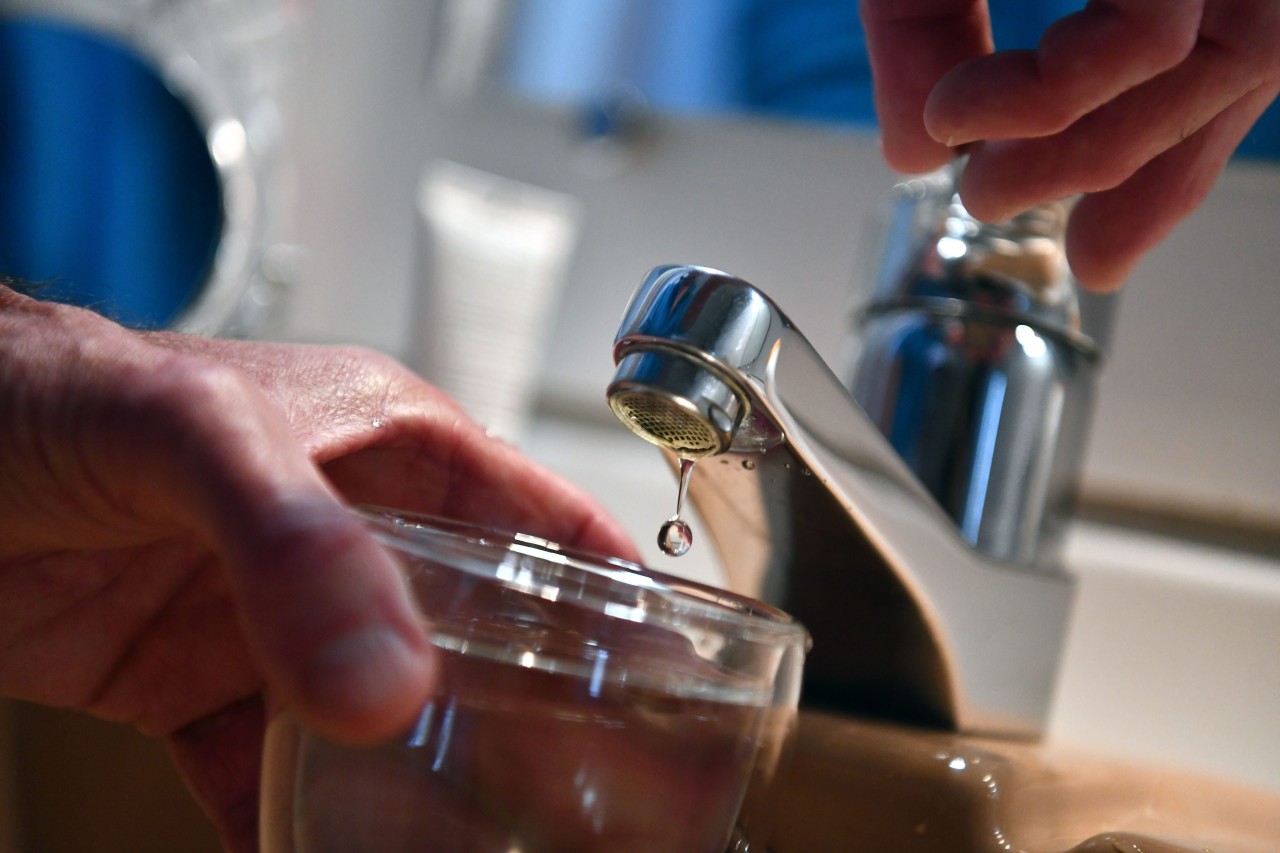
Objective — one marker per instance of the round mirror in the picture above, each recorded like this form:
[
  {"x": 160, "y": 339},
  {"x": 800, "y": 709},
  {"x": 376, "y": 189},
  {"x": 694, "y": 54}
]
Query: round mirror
[{"x": 109, "y": 197}]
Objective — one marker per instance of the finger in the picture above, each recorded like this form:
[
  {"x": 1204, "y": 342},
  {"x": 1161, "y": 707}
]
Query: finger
[
  {"x": 1110, "y": 231},
  {"x": 384, "y": 436},
  {"x": 323, "y": 607},
  {"x": 1107, "y": 146},
  {"x": 1083, "y": 61},
  {"x": 220, "y": 758},
  {"x": 473, "y": 477},
  {"x": 911, "y": 45}
]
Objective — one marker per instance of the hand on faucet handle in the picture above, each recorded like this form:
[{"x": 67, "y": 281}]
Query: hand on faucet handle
[{"x": 1137, "y": 105}]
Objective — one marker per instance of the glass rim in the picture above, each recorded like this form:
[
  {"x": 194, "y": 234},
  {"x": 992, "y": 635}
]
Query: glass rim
[{"x": 439, "y": 538}]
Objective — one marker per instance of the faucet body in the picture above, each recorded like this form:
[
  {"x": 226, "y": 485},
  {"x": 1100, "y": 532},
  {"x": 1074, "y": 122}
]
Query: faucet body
[
  {"x": 813, "y": 510},
  {"x": 925, "y": 595}
]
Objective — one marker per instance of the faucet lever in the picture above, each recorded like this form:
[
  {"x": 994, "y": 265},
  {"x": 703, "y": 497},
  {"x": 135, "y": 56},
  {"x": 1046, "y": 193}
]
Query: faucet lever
[{"x": 977, "y": 360}]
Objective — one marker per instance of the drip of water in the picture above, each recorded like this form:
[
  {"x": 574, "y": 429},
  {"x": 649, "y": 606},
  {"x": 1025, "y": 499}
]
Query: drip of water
[{"x": 675, "y": 536}]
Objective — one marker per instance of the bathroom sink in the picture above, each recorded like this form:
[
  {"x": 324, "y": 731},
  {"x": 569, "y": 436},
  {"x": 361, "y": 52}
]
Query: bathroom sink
[
  {"x": 857, "y": 785},
  {"x": 1155, "y": 618}
]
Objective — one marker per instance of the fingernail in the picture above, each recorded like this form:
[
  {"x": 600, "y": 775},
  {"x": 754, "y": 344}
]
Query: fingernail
[
  {"x": 363, "y": 673},
  {"x": 959, "y": 140}
]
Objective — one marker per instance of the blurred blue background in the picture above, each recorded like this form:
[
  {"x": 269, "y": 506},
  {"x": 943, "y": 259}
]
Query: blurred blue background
[
  {"x": 108, "y": 195},
  {"x": 796, "y": 59}
]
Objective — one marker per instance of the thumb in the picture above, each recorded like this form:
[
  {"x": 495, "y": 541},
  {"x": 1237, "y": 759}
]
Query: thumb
[
  {"x": 322, "y": 605},
  {"x": 324, "y": 608}
]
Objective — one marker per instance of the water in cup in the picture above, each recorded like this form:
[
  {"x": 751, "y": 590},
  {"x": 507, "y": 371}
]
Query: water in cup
[{"x": 513, "y": 758}]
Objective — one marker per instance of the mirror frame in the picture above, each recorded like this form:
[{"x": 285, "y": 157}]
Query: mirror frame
[{"x": 186, "y": 45}]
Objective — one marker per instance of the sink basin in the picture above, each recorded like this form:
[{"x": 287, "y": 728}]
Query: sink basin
[
  {"x": 1162, "y": 738},
  {"x": 857, "y": 785}
]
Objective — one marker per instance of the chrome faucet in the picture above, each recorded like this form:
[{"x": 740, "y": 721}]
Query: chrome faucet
[{"x": 919, "y": 574}]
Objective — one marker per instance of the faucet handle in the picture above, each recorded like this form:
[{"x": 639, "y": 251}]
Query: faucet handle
[
  {"x": 1028, "y": 251},
  {"x": 937, "y": 254},
  {"x": 977, "y": 362}
]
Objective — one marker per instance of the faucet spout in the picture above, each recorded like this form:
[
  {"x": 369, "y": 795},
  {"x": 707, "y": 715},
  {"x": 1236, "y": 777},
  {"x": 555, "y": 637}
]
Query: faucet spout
[{"x": 812, "y": 509}]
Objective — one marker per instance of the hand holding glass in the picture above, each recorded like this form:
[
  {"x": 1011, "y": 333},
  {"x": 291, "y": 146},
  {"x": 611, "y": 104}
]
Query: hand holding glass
[{"x": 584, "y": 704}]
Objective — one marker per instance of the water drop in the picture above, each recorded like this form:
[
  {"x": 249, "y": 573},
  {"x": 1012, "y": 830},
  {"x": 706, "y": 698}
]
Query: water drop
[
  {"x": 675, "y": 536},
  {"x": 686, "y": 471},
  {"x": 749, "y": 464}
]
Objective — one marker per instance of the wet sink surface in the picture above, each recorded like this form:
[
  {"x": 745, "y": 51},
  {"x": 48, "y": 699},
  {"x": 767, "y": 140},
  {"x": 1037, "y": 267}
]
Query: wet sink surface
[{"x": 856, "y": 785}]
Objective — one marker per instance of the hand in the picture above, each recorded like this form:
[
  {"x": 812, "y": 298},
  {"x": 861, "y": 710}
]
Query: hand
[
  {"x": 1137, "y": 104},
  {"x": 174, "y": 544}
]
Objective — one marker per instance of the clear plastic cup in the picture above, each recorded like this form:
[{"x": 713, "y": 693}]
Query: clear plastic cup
[{"x": 585, "y": 704}]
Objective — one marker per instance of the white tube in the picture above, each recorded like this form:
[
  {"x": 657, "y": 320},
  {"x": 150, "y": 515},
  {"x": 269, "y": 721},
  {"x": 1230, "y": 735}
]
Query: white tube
[{"x": 494, "y": 257}]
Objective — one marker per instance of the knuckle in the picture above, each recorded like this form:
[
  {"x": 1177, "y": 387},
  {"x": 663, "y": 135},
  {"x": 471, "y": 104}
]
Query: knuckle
[
  {"x": 188, "y": 392},
  {"x": 1250, "y": 31},
  {"x": 1172, "y": 37},
  {"x": 369, "y": 365},
  {"x": 1161, "y": 36},
  {"x": 1108, "y": 173},
  {"x": 1056, "y": 116}
]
